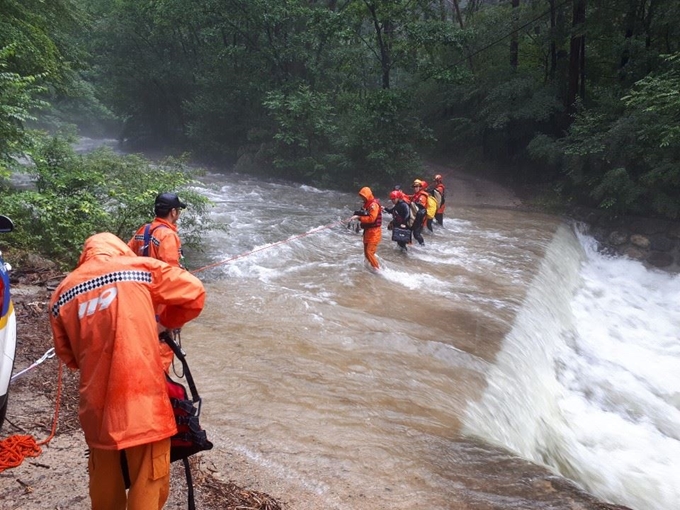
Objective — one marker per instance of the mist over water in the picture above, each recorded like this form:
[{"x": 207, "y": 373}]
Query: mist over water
[{"x": 506, "y": 329}]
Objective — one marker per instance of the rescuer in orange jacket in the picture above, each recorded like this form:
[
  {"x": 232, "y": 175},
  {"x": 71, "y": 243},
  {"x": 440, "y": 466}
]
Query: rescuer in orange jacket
[
  {"x": 439, "y": 186},
  {"x": 159, "y": 240},
  {"x": 371, "y": 220},
  {"x": 103, "y": 323}
]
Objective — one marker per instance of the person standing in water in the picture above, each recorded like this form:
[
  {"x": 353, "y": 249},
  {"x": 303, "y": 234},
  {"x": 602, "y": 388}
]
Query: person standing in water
[
  {"x": 400, "y": 214},
  {"x": 370, "y": 218},
  {"x": 419, "y": 201},
  {"x": 440, "y": 189}
]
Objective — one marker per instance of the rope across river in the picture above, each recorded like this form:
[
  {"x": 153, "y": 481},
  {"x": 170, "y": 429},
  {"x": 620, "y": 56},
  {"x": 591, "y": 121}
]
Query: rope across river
[
  {"x": 15, "y": 449},
  {"x": 284, "y": 241}
]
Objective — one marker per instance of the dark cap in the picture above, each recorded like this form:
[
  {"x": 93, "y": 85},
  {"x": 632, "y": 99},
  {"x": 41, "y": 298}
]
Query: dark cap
[{"x": 169, "y": 201}]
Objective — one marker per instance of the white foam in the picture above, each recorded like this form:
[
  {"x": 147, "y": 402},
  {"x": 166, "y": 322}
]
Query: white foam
[{"x": 588, "y": 380}]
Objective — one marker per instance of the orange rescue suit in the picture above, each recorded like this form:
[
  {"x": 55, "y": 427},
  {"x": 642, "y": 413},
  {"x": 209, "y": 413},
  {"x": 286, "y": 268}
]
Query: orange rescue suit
[
  {"x": 103, "y": 323},
  {"x": 372, "y": 235},
  {"x": 164, "y": 243}
]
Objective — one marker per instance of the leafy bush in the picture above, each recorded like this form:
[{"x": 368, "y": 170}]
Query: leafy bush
[{"x": 76, "y": 196}]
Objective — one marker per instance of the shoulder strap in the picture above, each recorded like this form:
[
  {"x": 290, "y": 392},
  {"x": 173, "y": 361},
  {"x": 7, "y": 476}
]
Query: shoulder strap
[
  {"x": 147, "y": 237},
  {"x": 177, "y": 350}
]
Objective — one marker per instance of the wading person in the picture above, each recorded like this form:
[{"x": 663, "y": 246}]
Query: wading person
[
  {"x": 439, "y": 189},
  {"x": 429, "y": 217},
  {"x": 400, "y": 215},
  {"x": 370, "y": 218},
  {"x": 103, "y": 323},
  {"x": 419, "y": 202}
]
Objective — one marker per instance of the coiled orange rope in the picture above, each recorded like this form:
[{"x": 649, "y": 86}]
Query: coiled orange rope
[{"x": 15, "y": 449}]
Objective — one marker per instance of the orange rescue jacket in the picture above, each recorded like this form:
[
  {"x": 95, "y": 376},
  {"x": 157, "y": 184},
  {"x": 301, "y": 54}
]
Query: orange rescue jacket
[
  {"x": 103, "y": 323},
  {"x": 372, "y": 234},
  {"x": 164, "y": 243}
]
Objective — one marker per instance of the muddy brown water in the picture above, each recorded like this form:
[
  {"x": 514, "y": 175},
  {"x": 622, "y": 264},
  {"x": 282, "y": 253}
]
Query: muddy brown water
[{"x": 369, "y": 390}]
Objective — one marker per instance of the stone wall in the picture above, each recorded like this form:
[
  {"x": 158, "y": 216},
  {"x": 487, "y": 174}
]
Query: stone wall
[{"x": 655, "y": 242}]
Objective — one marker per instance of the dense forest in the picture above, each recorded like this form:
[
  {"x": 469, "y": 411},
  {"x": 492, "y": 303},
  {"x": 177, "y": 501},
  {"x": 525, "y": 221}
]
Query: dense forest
[{"x": 581, "y": 97}]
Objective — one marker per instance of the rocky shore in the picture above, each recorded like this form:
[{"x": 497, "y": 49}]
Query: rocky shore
[{"x": 653, "y": 241}]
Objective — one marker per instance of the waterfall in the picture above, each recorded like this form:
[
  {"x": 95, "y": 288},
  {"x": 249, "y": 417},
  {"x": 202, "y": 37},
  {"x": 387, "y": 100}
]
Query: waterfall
[{"x": 588, "y": 379}]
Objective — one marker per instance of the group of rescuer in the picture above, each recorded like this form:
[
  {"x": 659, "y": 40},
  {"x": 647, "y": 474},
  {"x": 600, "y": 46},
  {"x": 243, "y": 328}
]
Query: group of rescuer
[
  {"x": 106, "y": 317},
  {"x": 410, "y": 214}
]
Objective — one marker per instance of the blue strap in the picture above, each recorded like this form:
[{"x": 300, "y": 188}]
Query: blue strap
[{"x": 147, "y": 237}]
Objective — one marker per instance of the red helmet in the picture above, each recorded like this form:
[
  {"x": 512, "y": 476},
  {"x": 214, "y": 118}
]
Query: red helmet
[
  {"x": 396, "y": 195},
  {"x": 424, "y": 184},
  {"x": 437, "y": 178}
]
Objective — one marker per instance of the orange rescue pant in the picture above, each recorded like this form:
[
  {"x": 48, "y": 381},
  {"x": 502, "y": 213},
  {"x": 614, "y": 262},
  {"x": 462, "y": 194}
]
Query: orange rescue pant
[
  {"x": 369, "y": 253},
  {"x": 149, "y": 469}
]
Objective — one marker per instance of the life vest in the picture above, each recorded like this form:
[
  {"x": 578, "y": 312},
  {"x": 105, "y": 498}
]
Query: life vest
[{"x": 378, "y": 219}]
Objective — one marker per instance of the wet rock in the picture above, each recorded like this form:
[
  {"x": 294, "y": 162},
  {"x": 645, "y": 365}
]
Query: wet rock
[
  {"x": 660, "y": 259},
  {"x": 36, "y": 263},
  {"x": 640, "y": 241},
  {"x": 634, "y": 253},
  {"x": 661, "y": 243},
  {"x": 617, "y": 238}
]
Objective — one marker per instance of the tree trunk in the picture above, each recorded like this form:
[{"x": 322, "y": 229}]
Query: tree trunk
[
  {"x": 382, "y": 34},
  {"x": 553, "y": 42},
  {"x": 514, "y": 37},
  {"x": 576, "y": 59},
  {"x": 458, "y": 14}
]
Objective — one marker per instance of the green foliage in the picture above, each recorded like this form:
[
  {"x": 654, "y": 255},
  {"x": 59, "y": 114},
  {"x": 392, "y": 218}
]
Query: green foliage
[
  {"x": 305, "y": 131},
  {"x": 658, "y": 96},
  {"x": 18, "y": 97},
  {"x": 76, "y": 196},
  {"x": 342, "y": 93},
  {"x": 623, "y": 154},
  {"x": 381, "y": 138},
  {"x": 372, "y": 141}
]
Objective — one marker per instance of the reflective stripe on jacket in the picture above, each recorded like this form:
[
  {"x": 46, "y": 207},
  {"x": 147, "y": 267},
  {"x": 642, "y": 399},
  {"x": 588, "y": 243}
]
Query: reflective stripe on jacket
[
  {"x": 103, "y": 323},
  {"x": 164, "y": 243}
]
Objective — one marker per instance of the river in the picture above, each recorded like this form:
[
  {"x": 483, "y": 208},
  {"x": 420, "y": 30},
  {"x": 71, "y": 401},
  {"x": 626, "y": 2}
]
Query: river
[{"x": 473, "y": 372}]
